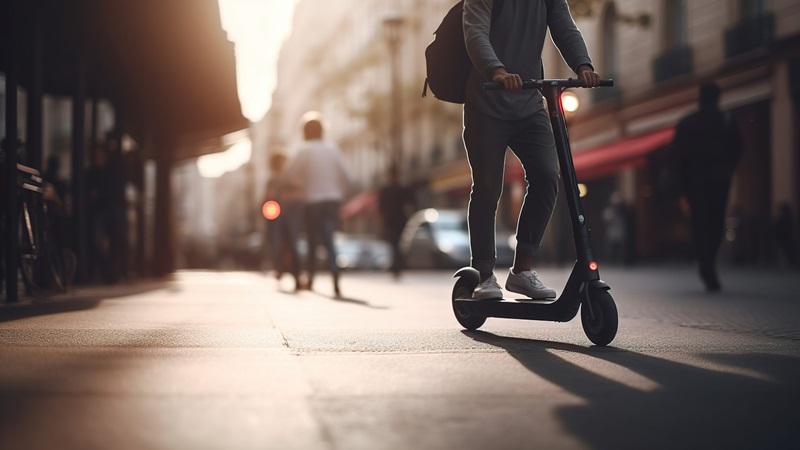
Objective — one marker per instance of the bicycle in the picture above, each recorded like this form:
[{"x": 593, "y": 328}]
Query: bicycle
[{"x": 46, "y": 267}]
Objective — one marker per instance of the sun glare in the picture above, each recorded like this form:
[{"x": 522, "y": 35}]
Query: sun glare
[
  {"x": 257, "y": 28},
  {"x": 217, "y": 164}
]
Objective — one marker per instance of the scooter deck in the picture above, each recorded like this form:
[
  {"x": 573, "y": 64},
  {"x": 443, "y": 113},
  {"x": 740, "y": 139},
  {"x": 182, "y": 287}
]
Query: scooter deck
[
  {"x": 548, "y": 309},
  {"x": 538, "y": 301}
]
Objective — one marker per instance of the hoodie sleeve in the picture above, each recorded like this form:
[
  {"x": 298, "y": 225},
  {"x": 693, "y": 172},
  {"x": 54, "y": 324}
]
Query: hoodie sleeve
[
  {"x": 477, "y": 25},
  {"x": 566, "y": 35}
]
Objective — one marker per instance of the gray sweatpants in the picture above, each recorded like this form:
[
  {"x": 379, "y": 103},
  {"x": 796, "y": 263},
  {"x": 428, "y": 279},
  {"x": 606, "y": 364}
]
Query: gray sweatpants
[{"x": 531, "y": 139}]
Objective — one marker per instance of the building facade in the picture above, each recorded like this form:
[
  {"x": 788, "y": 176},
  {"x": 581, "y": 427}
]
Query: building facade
[{"x": 658, "y": 51}]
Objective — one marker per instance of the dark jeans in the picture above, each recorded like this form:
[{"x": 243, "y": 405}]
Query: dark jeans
[
  {"x": 284, "y": 233},
  {"x": 707, "y": 204},
  {"x": 393, "y": 239},
  {"x": 323, "y": 220},
  {"x": 531, "y": 139}
]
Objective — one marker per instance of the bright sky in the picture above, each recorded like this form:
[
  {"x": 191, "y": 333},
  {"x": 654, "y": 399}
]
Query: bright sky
[{"x": 257, "y": 28}]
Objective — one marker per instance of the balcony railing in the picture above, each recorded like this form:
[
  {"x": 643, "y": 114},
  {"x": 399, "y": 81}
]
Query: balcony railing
[
  {"x": 750, "y": 34},
  {"x": 673, "y": 63}
]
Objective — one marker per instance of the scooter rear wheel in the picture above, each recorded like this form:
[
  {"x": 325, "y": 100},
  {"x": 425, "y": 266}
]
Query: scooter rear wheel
[
  {"x": 602, "y": 328},
  {"x": 463, "y": 289}
]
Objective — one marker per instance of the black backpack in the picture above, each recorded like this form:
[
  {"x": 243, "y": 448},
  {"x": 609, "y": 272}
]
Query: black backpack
[{"x": 446, "y": 60}]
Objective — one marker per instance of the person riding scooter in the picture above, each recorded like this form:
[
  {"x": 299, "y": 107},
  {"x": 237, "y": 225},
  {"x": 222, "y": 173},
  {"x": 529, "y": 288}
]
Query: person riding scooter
[{"x": 506, "y": 50}]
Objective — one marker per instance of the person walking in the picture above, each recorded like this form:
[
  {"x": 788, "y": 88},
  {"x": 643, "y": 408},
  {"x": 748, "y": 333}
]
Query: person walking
[
  {"x": 615, "y": 216},
  {"x": 395, "y": 203},
  {"x": 323, "y": 178},
  {"x": 505, "y": 46},
  {"x": 283, "y": 230},
  {"x": 102, "y": 184},
  {"x": 707, "y": 149}
]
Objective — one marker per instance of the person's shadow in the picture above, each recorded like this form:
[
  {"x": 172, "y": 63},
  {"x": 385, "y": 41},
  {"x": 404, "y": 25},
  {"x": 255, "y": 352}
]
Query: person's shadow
[
  {"x": 351, "y": 300},
  {"x": 682, "y": 407}
]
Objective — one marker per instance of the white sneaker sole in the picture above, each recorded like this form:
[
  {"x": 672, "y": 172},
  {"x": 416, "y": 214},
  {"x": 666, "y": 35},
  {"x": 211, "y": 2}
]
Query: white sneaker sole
[
  {"x": 542, "y": 295},
  {"x": 487, "y": 295}
]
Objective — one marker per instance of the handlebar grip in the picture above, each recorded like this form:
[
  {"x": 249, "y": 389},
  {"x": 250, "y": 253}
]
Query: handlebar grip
[
  {"x": 527, "y": 84},
  {"x": 533, "y": 84}
]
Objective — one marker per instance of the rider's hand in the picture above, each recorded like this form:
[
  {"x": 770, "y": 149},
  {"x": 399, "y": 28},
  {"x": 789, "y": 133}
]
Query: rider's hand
[
  {"x": 510, "y": 81},
  {"x": 588, "y": 76}
]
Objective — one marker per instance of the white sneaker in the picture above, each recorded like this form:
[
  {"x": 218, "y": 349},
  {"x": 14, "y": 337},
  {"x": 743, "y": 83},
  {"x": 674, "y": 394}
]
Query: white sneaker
[
  {"x": 488, "y": 290},
  {"x": 527, "y": 283}
]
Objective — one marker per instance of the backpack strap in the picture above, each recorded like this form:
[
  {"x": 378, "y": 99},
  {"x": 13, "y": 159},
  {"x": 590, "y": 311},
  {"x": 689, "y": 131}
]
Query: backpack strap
[{"x": 497, "y": 7}]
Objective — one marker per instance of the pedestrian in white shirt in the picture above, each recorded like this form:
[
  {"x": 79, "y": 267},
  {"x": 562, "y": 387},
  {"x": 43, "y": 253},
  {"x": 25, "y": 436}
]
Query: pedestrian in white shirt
[{"x": 321, "y": 173}]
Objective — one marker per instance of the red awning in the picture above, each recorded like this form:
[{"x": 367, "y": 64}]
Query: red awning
[
  {"x": 622, "y": 154},
  {"x": 608, "y": 158},
  {"x": 362, "y": 203}
]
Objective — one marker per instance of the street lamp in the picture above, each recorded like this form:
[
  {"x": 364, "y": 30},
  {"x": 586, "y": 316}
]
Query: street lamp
[
  {"x": 392, "y": 30},
  {"x": 569, "y": 101}
]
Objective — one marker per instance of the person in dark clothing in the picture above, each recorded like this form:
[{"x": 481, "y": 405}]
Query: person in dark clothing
[
  {"x": 283, "y": 230},
  {"x": 505, "y": 46},
  {"x": 102, "y": 188},
  {"x": 707, "y": 149},
  {"x": 52, "y": 175},
  {"x": 395, "y": 202}
]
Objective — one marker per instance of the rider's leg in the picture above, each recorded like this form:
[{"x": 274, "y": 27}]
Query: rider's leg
[
  {"x": 485, "y": 139},
  {"x": 535, "y": 148}
]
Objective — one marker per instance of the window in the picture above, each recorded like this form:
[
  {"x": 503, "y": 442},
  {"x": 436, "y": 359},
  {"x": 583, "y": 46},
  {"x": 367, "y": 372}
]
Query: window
[
  {"x": 423, "y": 233},
  {"x": 676, "y": 57},
  {"x": 753, "y": 30},
  {"x": 675, "y": 30},
  {"x": 609, "y": 57},
  {"x": 610, "y": 40},
  {"x": 750, "y": 8}
]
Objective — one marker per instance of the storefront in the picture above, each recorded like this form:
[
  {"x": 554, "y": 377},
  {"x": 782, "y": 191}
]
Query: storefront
[{"x": 142, "y": 58}]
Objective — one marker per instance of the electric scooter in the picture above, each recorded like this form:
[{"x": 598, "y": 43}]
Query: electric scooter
[{"x": 584, "y": 289}]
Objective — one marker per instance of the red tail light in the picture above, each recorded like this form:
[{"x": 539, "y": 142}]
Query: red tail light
[{"x": 271, "y": 210}]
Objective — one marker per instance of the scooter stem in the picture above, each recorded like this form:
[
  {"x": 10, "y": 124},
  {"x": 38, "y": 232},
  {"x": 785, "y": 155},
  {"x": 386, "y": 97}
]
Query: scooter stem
[{"x": 583, "y": 245}]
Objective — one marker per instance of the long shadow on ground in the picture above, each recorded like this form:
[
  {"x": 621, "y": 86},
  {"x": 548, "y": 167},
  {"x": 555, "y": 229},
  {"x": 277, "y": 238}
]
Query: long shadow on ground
[
  {"x": 79, "y": 300},
  {"x": 686, "y": 406}
]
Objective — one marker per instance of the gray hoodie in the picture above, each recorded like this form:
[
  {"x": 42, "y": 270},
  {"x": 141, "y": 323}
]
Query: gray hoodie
[{"x": 515, "y": 41}]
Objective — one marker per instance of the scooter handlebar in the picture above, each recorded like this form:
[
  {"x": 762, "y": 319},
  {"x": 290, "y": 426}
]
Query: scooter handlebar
[{"x": 560, "y": 82}]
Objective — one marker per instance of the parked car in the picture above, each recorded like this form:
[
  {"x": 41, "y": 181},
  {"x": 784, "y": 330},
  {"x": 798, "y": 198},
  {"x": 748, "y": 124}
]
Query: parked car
[
  {"x": 359, "y": 252},
  {"x": 354, "y": 252},
  {"x": 439, "y": 238}
]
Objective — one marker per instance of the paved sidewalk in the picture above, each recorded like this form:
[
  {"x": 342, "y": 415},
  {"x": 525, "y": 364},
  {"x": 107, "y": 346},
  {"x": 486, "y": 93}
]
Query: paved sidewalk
[{"x": 234, "y": 360}]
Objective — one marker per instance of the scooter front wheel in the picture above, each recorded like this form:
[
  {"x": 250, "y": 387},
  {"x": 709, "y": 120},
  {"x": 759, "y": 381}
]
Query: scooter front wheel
[
  {"x": 601, "y": 322},
  {"x": 467, "y": 282}
]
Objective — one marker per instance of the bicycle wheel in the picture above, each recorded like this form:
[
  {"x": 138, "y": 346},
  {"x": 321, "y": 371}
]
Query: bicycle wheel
[
  {"x": 28, "y": 249},
  {"x": 49, "y": 271}
]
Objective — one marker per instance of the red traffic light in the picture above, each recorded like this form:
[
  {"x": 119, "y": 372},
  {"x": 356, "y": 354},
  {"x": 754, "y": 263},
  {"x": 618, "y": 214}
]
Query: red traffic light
[
  {"x": 271, "y": 210},
  {"x": 593, "y": 265}
]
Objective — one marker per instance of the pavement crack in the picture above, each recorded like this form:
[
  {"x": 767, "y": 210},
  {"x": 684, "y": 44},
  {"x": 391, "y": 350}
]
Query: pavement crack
[{"x": 285, "y": 341}]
